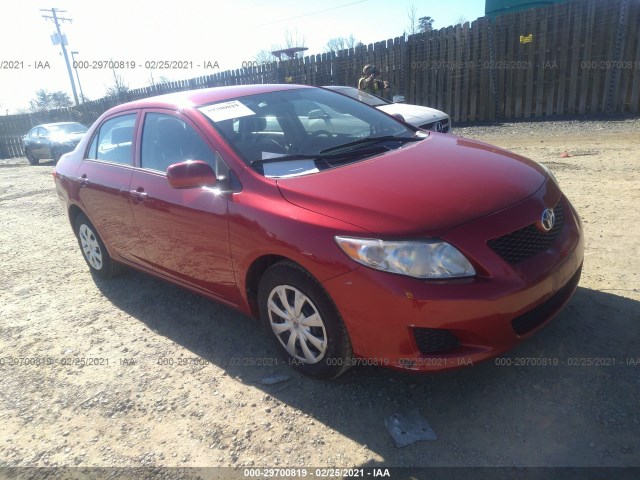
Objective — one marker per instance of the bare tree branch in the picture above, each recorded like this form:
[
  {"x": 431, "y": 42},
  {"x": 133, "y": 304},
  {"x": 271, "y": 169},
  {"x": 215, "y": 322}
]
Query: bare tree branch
[
  {"x": 341, "y": 43},
  {"x": 118, "y": 87},
  {"x": 412, "y": 15}
]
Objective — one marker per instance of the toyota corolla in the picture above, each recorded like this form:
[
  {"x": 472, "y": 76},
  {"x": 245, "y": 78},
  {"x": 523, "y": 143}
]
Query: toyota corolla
[{"x": 351, "y": 236}]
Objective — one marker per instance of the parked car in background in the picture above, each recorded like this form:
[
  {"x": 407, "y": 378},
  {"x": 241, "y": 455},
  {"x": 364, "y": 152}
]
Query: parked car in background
[
  {"x": 52, "y": 140},
  {"x": 416, "y": 115},
  {"x": 352, "y": 236}
]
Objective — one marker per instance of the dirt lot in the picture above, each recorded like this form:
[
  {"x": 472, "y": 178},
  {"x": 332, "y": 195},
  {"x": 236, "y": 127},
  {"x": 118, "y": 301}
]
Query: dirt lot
[{"x": 176, "y": 382}]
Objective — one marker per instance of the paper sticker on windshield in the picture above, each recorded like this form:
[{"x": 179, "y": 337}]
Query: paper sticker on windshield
[
  {"x": 291, "y": 168},
  {"x": 226, "y": 111}
]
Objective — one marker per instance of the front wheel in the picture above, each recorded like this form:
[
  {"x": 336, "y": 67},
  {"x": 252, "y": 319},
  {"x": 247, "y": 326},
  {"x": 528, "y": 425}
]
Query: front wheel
[
  {"x": 55, "y": 154},
  {"x": 93, "y": 249},
  {"x": 303, "y": 322},
  {"x": 29, "y": 154}
]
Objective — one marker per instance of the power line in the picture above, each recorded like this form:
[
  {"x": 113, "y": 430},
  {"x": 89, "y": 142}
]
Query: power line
[
  {"x": 310, "y": 13},
  {"x": 56, "y": 20}
]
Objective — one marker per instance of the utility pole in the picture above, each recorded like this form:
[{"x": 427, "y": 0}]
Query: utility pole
[
  {"x": 73, "y": 56},
  {"x": 56, "y": 20}
]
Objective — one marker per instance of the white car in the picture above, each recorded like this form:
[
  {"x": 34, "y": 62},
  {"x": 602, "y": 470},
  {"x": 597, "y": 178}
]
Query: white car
[{"x": 416, "y": 115}]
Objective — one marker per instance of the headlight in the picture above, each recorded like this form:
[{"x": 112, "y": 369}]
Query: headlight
[{"x": 432, "y": 259}]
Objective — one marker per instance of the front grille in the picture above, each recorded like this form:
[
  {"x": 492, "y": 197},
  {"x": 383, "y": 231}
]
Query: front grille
[
  {"x": 528, "y": 241},
  {"x": 431, "y": 126},
  {"x": 432, "y": 340},
  {"x": 533, "y": 318}
]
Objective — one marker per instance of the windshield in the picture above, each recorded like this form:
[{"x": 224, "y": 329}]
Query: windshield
[
  {"x": 303, "y": 125},
  {"x": 364, "y": 97},
  {"x": 67, "y": 128}
]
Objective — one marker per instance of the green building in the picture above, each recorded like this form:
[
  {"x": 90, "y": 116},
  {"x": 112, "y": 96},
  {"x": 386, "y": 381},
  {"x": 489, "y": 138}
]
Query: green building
[{"x": 493, "y": 8}]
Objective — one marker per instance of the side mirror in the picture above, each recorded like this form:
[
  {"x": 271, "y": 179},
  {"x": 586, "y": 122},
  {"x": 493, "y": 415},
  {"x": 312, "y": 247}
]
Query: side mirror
[
  {"x": 191, "y": 174},
  {"x": 398, "y": 99},
  {"x": 398, "y": 116}
]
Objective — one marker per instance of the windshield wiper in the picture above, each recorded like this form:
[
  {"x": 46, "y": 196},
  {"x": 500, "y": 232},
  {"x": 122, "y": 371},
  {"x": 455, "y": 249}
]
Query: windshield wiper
[
  {"x": 372, "y": 140},
  {"x": 320, "y": 156}
]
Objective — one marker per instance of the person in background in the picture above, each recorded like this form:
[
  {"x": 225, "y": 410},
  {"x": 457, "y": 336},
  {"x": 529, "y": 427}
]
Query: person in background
[{"x": 371, "y": 83}]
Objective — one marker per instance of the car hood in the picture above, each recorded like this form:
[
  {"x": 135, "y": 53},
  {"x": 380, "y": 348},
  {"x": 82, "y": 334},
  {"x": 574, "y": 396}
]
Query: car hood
[
  {"x": 67, "y": 137},
  {"x": 427, "y": 187},
  {"x": 413, "y": 113}
]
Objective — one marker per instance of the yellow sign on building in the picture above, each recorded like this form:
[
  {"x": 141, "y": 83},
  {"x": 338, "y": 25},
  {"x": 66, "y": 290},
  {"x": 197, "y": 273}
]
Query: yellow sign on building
[{"x": 527, "y": 39}]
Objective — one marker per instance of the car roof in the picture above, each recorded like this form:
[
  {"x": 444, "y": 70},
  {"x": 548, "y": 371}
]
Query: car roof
[
  {"x": 54, "y": 124},
  {"x": 204, "y": 96}
]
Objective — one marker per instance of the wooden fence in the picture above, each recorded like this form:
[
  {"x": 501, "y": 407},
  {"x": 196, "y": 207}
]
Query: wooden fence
[{"x": 575, "y": 58}]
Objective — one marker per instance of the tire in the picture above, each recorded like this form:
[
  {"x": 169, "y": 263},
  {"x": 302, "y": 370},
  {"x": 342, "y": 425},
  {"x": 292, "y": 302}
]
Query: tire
[
  {"x": 32, "y": 160},
  {"x": 55, "y": 154},
  {"x": 321, "y": 347},
  {"x": 93, "y": 249}
]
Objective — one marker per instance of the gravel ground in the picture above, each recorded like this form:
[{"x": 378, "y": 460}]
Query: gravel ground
[
  {"x": 552, "y": 128},
  {"x": 140, "y": 373}
]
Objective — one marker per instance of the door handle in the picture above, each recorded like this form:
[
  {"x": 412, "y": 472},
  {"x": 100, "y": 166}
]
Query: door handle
[
  {"x": 84, "y": 181},
  {"x": 138, "y": 195}
]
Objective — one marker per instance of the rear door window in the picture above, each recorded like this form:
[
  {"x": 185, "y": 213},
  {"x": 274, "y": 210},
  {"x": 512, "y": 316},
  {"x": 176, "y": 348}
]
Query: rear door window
[{"x": 114, "y": 140}]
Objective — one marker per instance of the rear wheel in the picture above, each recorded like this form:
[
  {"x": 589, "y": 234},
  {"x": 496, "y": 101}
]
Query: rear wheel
[
  {"x": 29, "y": 154},
  {"x": 93, "y": 249},
  {"x": 303, "y": 322}
]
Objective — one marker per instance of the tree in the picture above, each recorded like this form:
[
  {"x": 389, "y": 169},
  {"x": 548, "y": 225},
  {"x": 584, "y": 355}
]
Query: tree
[
  {"x": 290, "y": 41},
  {"x": 153, "y": 81},
  {"x": 425, "y": 24},
  {"x": 461, "y": 20},
  {"x": 45, "y": 100},
  {"x": 341, "y": 43},
  {"x": 412, "y": 15},
  {"x": 118, "y": 87},
  {"x": 264, "y": 56}
]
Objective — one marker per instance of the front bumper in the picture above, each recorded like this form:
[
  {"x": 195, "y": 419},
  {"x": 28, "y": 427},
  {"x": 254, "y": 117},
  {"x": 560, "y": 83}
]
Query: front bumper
[{"x": 406, "y": 323}]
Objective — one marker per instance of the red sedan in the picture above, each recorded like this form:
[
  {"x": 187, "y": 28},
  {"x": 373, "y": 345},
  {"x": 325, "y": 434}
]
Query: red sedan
[{"x": 353, "y": 237}]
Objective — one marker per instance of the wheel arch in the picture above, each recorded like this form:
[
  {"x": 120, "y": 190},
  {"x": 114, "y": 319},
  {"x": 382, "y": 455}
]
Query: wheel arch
[
  {"x": 255, "y": 272},
  {"x": 335, "y": 339},
  {"x": 73, "y": 212}
]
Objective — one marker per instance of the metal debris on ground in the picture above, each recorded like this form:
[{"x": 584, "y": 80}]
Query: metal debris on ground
[
  {"x": 409, "y": 427},
  {"x": 275, "y": 378}
]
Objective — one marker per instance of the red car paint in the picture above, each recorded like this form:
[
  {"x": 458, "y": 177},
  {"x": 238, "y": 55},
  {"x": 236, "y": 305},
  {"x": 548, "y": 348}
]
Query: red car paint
[{"x": 459, "y": 190}]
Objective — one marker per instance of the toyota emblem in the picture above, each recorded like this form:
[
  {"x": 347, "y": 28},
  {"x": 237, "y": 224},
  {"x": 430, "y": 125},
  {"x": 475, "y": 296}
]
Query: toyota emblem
[{"x": 548, "y": 219}]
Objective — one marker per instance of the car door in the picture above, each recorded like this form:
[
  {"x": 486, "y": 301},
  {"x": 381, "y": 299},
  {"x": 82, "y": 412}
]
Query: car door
[
  {"x": 105, "y": 176},
  {"x": 184, "y": 231}
]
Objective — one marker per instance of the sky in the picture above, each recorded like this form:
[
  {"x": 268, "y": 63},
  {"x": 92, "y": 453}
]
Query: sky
[{"x": 220, "y": 33}]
